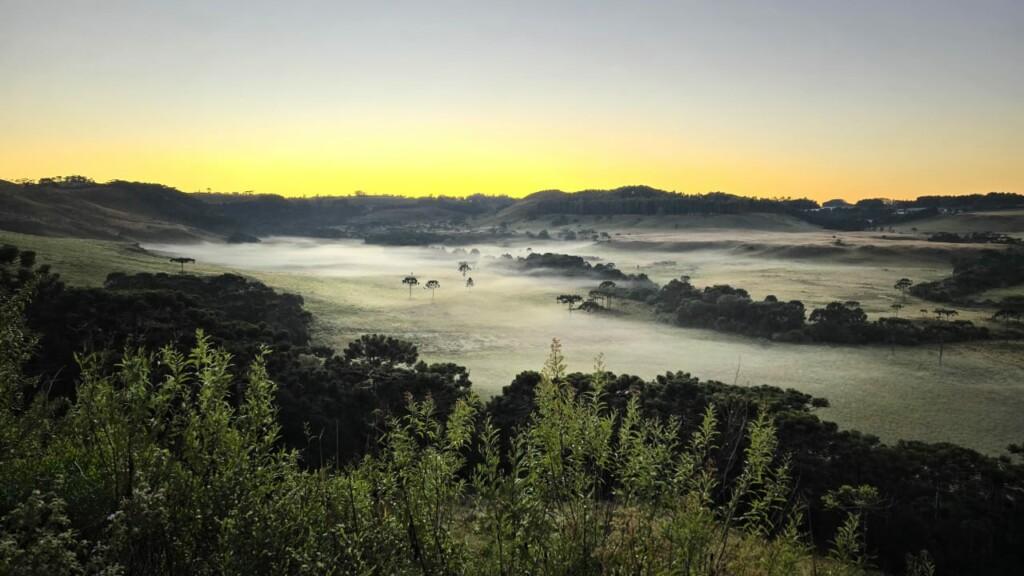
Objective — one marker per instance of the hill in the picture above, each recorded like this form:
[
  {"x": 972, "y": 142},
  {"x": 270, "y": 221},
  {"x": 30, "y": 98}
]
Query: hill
[
  {"x": 1002, "y": 221},
  {"x": 644, "y": 200},
  {"x": 78, "y": 207},
  {"x": 115, "y": 210}
]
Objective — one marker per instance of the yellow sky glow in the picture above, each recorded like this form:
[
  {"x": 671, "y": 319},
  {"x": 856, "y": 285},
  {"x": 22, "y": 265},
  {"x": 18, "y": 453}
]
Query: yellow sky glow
[{"x": 852, "y": 100}]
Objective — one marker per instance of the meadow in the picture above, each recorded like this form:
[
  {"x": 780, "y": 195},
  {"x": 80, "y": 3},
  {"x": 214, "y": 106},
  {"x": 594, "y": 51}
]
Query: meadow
[{"x": 504, "y": 324}]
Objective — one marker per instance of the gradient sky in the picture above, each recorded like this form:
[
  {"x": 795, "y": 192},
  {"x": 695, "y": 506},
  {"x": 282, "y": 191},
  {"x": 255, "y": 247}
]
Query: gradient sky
[{"x": 894, "y": 98}]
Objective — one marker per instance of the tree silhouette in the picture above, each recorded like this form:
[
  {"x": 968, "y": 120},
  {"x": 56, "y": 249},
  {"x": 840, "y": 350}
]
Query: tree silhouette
[
  {"x": 896, "y": 306},
  {"x": 569, "y": 299},
  {"x": 432, "y": 285},
  {"x": 182, "y": 261},
  {"x": 469, "y": 282},
  {"x": 464, "y": 267},
  {"x": 943, "y": 314},
  {"x": 410, "y": 281},
  {"x": 606, "y": 289},
  {"x": 903, "y": 284}
]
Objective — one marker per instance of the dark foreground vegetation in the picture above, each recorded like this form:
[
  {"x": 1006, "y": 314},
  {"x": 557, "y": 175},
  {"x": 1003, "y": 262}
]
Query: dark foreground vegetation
[{"x": 133, "y": 444}]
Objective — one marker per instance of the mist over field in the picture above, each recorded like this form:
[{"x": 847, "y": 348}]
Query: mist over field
[
  {"x": 512, "y": 288},
  {"x": 505, "y": 323}
]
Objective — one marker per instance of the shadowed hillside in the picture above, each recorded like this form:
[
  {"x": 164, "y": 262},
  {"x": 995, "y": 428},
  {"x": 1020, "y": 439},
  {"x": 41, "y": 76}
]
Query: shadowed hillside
[
  {"x": 76, "y": 206},
  {"x": 115, "y": 210}
]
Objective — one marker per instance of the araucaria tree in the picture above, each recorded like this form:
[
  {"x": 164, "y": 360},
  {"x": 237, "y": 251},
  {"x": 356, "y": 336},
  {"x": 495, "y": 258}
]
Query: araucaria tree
[
  {"x": 432, "y": 285},
  {"x": 182, "y": 261},
  {"x": 571, "y": 300},
  {"x": 410, "y": 281},
  {"x": 903, "y": 284},
  {"x": 607, "y": 289},
  {"x": 464, "y": 267}
]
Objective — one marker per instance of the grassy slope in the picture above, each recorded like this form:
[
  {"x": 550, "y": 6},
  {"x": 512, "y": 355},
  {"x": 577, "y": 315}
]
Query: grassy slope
[
  {"x": 1004, "y": 221},
  {"x": 84, "y": 262},
  {"x": 107, "y": 211}
]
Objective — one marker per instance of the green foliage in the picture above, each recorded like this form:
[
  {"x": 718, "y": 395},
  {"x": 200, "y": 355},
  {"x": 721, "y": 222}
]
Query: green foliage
[
  {"x": 155, "y": 470},
  {"x": 160, "y": 464},
  {"x": 36, "y": 538}
]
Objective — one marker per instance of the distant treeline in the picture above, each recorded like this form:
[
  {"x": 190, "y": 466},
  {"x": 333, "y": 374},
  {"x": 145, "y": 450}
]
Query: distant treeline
[
  {"x": 881, "y": 213},
  {"x": 270, "y": 212},
  {"x": 651, "y": 201},
  {"x": 961, "y": 506},
  {"x": 361, "y": 214}
]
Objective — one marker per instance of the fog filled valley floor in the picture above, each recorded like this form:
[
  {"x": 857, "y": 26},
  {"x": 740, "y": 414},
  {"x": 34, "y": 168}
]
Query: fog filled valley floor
[{"x": 505, "y": 323}]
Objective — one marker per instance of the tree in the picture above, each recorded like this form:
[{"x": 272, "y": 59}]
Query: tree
[
  {"x": 469, "y": 282},
  {"x": 432, "y": 285},
  {"x": 380, "y": 350},
  {"x": 943, "y": 314},
  {"x": 182, "y": 261},
  {"x": 569, "y": 299},
  {"x": 464, "y": 267},
  {"x": 410, "y": 281},
  {"x": 903, "y": 284},
  {"x": 896, "y": 306},
  {"x": 607, "y": 287}
]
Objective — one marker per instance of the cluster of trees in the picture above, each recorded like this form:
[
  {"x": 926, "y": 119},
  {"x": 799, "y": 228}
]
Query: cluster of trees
[
  {"x": 976, "y": 273},
  {"x": 729, "y": 309},
  {"x": 331, "y": 404},
  {"x": 575, "y": 266},
  {"x": 960, "y": 505},
  {"x": 370, "y": 460},
  {"x": 1010, "y": 309}
]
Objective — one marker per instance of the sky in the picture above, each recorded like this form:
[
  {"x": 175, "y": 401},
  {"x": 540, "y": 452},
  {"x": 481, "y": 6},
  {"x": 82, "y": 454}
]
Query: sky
[{"x": 814, "y": 98}]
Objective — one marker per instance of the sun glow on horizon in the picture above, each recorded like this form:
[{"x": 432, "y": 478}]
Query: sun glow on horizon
[{"x": 872, "y": 100}]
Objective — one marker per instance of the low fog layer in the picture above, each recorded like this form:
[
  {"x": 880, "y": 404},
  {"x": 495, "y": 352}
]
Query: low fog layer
[{"x": 504, "y": 324}]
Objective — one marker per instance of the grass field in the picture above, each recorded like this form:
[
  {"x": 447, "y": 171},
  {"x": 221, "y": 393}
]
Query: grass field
[{"x": 504, "y": 324}]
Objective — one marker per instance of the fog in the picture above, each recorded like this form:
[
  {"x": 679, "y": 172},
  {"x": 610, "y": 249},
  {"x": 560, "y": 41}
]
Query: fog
[{"x": 505, "y": 324}]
